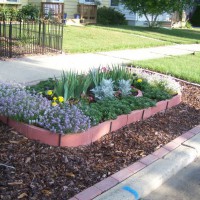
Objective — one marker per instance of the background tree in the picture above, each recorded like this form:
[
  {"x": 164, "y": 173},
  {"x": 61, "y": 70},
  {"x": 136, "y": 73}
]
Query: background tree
[{"x": 152, "y": 8}]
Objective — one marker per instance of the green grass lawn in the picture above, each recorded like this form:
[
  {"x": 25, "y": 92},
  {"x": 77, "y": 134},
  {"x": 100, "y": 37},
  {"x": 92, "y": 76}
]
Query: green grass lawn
[
  {"x": 101, "y": 38},
  {"x": 93, "y": 39},
  {"x": 185, "y": 67}
]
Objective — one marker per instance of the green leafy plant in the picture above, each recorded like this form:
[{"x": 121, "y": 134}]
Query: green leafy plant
[
  {"x": 107, "y": 108},
  {"x": 72, "y": 85},
  {"x": 42, "y": 86},
  {"x": 125, "y": 87},
  {"x": 29, "y": 12},
  {"x": 104, "y": 90},
  {"x": 110, "y": 16}
]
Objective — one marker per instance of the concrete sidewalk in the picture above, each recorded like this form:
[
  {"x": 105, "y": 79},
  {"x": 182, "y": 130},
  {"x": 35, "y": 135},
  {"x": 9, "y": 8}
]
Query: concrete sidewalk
[{"x": 34, "y": 68}]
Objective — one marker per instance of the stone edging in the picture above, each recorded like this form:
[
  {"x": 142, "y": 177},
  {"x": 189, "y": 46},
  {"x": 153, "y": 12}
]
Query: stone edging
[{"x": 92, "y": 134}]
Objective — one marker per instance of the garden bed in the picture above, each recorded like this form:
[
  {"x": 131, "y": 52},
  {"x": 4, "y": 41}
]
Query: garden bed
[
  {"x": 46, "y": 172},
  {"x": 92, "y": 134}
]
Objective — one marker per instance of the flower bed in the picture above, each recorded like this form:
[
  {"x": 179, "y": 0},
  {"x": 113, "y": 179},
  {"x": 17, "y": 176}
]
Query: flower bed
[{"x": 90, "y": 114}]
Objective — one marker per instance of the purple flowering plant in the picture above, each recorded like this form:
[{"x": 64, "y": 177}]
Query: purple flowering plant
[{"x": 22, "y": 105}]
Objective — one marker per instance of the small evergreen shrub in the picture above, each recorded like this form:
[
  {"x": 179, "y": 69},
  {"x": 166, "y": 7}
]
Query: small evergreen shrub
[{"x": 110, "y": 16}]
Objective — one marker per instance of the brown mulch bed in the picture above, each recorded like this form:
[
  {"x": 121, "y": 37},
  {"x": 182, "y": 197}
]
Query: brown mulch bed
[{"x": 45, "y": 172}]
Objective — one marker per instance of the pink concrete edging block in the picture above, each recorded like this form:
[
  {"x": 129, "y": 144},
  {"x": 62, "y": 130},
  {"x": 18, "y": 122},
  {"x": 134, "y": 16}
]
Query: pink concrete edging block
[
  {"x": 122, "y": 175},
  {"x": 184, "y": 137},
  {"x": 88, "y": 194},
  {"x": 100, "y": 130},
  {"x": 171, "y": 146},
  {"x": 195, "y": 130},
  {"x": 85, "y": 138},
  {"x": 135, "y": 116},
  {"x": 106, "y": 184},
  {"x": 160, "y": 106},
  {"x": 174, "y": 101},
  {"x": 76, "y": 139},
  {"x": 160, "y": 152},
  {"x": 19, "y": 126},
  {"x": 43, "y": 135},
  {"x": 147, "y": 113},
  {"x": 147, "y": 160},
  {"x": 135, "y": 167},
  {"x": 4, "y": 119},
  {"x": 119, "y": 122}
]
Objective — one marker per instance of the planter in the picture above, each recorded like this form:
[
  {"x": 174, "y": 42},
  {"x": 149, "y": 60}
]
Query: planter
[{"x": 93, "y": 134}]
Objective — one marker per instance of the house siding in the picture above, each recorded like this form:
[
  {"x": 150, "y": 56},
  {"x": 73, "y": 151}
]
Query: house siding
[{"x": 70, "y": 7}]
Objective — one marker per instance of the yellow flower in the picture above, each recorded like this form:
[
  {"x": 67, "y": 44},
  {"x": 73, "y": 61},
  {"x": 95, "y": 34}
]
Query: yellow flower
[
  {"x": 49, "y": 92},
  {"x": 139, "y": 80},
  {"x": 60, "y": 99},
  {"x": 54, "y": 104},
  {"x": 54, "y": 98}
]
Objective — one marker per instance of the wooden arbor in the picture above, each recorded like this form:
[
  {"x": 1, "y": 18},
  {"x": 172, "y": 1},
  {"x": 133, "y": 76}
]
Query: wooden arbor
[{"x": 88, "y": 13}]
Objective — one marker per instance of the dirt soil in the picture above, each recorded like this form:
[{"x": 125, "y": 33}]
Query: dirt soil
[{"x": 40, "y": 172}]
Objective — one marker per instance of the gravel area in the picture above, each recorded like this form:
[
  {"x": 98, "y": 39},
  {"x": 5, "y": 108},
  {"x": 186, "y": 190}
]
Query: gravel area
[{"x": 37, "y": 171}]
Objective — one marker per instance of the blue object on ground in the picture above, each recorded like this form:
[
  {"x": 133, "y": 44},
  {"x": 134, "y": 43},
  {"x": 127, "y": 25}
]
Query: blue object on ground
[{"x": 132, "y": 191}]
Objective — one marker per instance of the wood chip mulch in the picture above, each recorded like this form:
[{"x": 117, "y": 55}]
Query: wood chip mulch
[{"x": 37, "y": 171}]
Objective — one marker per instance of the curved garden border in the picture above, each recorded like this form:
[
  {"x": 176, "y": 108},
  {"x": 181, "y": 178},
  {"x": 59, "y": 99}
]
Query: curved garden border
[{"x": 92, "y": 134}]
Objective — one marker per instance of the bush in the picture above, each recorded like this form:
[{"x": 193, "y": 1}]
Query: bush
[
  {"x": 195, "y": 19},
  {"x": 30, "y": 12},
  {"x": 109, "y": 16}
]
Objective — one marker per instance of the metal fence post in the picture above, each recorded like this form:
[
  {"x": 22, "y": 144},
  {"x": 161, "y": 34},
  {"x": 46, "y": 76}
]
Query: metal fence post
[
  {"x": 61, "y": 38},
  {"x": 20, "y": 28},
  {"x": 43, "y": 37},
  {"x": 39, "y": 32},
  {"x": 10, "y": 39}
]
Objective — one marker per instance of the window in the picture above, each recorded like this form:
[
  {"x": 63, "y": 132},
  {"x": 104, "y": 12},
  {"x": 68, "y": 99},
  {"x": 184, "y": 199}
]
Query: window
[
  {"x": 89, "y": 1},
  {"x": 12, "y": 0},
  {"x": 114, "y": 2}
]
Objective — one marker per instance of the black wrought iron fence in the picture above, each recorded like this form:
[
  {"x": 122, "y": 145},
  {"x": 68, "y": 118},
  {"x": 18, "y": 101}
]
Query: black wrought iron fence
[{"x": 29, "y": 37}]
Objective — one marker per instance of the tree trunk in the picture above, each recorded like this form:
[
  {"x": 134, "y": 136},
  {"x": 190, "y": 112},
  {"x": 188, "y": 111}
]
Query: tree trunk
[{"x": 152, "y": 22}]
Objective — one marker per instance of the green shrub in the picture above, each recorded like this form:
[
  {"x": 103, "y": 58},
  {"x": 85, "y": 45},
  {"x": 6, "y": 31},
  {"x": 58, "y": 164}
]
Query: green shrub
[
  {"x": 30, "y": 12},
  {"x": 195, "y": 19},
  {"x": 109, "y": 16}
]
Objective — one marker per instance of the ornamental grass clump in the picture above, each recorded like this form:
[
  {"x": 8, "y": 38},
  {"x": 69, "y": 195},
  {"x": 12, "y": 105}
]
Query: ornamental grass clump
[
  {"x": 65, "y": 119},
  {"x": 19, "y": 104}
]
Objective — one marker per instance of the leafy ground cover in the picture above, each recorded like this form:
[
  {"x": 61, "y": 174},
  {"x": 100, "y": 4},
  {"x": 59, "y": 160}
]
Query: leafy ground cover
[
  {"x": 184, "y": 67},
  {"x": 43, "y": 172},
  {"x": 102, "y": 38}
]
